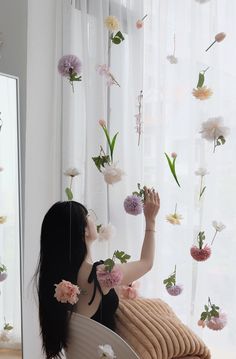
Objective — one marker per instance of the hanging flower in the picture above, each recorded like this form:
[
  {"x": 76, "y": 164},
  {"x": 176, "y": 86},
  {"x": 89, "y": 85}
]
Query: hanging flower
[
  {"x": 213, "y": 131},
  {"x": 202, "y": 92},
  {"x": 202, "y": 172},
  {"x": 5, "y": 334},
  {"x": 112, "y": 174},
  {"x": 3, "y": 272},
  {"x": 218, "y": 228},
  {"x": 106, "y": 351},
  {"x": 112, "y": 23},
  {"x": 70, "y": 66},
  {"x": 3, "y": 219},
  {"x": 104, "y": 70},
  {"x": 172, "y": 165},
  {"x": 172, "y": 58},
  {"x": 212, "y": 317},
  {"x": 171, "y": 286},
  {"x": 71, "y": 172},
  {"x": 66, "y": 292},
  {"x": 140, "y": 23},
  {"x": 106, "y": 232},
  {"x": 174, "y": 218},
  {"x": 129, "y": 291},
  {"x": 200, "y": 253},
  {"x": 133, "y": 205},
  {"x": 138, "y": 117},
  {"x": 218, "y": 38}
]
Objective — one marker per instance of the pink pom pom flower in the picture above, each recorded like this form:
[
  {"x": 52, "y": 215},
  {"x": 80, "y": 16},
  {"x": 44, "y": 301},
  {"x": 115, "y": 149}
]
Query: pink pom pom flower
[
  {"x": 200, "y": 253},
  {"x": 66, "y": 292},
  {"x": 175, "y": 290},
  {"x": 70, "y": 66},
  {"x": 133, "y": 205},
  {"x": 109, "y": 279},
  {"x": 212, "y": 317},
  {"x": 217, "y": 323}
]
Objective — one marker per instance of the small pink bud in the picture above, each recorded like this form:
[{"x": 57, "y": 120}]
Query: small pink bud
[
  {"x": 139, "y": 24},
  {"x": 220, "y": 36},
  {"x": 201, "y": 323},
  {"x": 173, "y": 154},
  {"x": 102, "y": 122}
]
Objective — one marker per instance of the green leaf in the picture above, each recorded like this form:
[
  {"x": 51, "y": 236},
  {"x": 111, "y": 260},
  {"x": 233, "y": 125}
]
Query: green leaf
[
  {"x": 220, "y": 140},
  {"x": 98, "y": 227},
  {"x": 206, "y": 308},
  {"x": 7, "y": 326},
  {"x": 100, "y": 161},
  {"x": 3, "y": 268},
  {"x": 204, "y": 316},
  {"x": 122, "y": 256},
  {"x": 116, "y": 40},
  {"x": 201, "y": 80},
  {"x": 113, "y": 145},
  {"x": 109, "y": 264},
  {"x": 202, "y": 191},
  {"x": 69, "y": 193},
  {"x": 120, "y": 35}
]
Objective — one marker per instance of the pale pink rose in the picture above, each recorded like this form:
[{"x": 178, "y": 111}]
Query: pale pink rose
[
  {"x": 109, "y": 279},
  {"x": 220, "y": 36},
  {"x": 217, "y": 323},
  {"x": 66, "y": 292},
  {"x": 102, "y": 122},
  {"x": 201, "y": 323},
  {"x": 129, "y": 291},
  {"x": 139, "y": 24}
]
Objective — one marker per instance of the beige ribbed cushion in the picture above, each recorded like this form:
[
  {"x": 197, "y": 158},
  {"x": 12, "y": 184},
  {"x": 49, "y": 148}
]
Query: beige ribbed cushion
[
  {"x": 153, "y": 330},
  {"x": 85, "y": 335}
]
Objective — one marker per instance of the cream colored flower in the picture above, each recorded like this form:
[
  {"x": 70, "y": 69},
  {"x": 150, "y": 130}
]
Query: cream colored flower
[
  {"x": 212, "y": 129},
  {"x": 202, "y": 93},
  {"x": 71, "y": 172},
  {"x": 112, "y": 23},
  {"x": 106, "y": 232},
  {"x": 218, "y": 226},
  {"x": 106, "y": 351},
  {"x": 201, "y": 172},
  {"x": 174, "y": 218},
  {"x": 3, "y": 219},
  {"x": 112, "y": 174}
]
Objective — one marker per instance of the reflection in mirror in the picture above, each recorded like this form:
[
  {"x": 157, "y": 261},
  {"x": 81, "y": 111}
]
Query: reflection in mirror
[{"x": 10, "y": 221}]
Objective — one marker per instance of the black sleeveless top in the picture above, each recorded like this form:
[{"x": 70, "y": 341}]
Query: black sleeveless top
[{"x": 108, "y": 304}]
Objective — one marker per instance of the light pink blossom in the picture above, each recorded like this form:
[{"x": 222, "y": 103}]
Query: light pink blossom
[
  {"x": 220, "y": 36},
  {"x": 129, "y": 291},
  {"x": 102, "y": 122},
  {"x": 65, "y": 292},
  {"x": 111, "y": 173},
  {"x": 175, "y": 290},
  {"x": 139, "y": 24},
  {"x": 201, "y": 323},
  {"x": 217, "y": 323},
  {"x": 109, "y": 279}
]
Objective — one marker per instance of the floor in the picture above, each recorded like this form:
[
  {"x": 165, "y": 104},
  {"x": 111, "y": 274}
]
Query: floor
[{"x": 10, "y": 354}]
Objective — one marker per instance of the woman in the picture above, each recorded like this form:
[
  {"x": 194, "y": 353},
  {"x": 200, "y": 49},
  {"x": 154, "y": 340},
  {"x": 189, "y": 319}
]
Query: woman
[{"x": 65, "y": 254}]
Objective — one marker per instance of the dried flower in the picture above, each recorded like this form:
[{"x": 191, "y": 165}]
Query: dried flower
[
  {"x": 129, "y": 291},
  {"x": 171, "y": 286},
  {"x": 109, "y": 279},
  {"x": 111, "y": 173},
  {"x": 70, "y": 66},
  {"x": 202, "y": 93},
  {"x": 138, "y": 117},
  {"x": 106, "y": 351},
  {"x": 106, "y": 232},
  {"x": 172, "y": 59},
  {"x": 66, "y": 292},
  {"x": 212, "y": 317},
  {"x": 217, "y": 323},
  {"x": 3, "y": 219},
  {"x": 104, "y": 70},
  {"x": 112, "y": 23},
  {"x": 213, "y": 131},
  {"x": 133, "y": 205},
  {"x": 218, "y": 38},
  {"x": 218, "y": 228},
  {"x": 172, "y": 166}
]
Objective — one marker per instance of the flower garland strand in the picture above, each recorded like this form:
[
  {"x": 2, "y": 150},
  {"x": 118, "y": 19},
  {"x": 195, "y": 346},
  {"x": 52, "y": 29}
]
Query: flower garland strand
[
  {"x": 138, "y": 117},
  {"x": 172, "y": 58}
]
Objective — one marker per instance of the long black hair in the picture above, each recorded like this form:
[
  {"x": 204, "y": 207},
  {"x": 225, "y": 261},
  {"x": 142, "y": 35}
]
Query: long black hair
[{"x": 62, "y": 251}]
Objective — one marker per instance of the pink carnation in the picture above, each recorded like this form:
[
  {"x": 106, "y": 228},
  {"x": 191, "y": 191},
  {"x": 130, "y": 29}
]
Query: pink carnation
[
  {"x": 109, "y": 279},
  {"x": 66, "y": 292},
  {"x": 68, "y": 64},
  {"x": 133, "y": 205},
  {"x": 217, "y": 323},
  {"x": 175, "y": 289},
  {"x": 201, "y": 323},
  {"x": 129, "y": 291},
  {"x": 200, "y": 255}
]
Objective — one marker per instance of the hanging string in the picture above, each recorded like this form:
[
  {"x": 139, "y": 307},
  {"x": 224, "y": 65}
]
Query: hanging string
[{"x": 70, "y": 233}]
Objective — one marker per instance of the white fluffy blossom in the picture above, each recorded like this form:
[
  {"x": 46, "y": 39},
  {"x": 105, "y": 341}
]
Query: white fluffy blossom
[
  {"x": 71, "y": 172},
  {"x": 218, "y": 226},
  {"x": 106, "y": 351},
  {"x": 106, "y": 232},
  {"x": 212, "y": 129},
  {"x": 112, "y": 174},
  {"x": 201, "y": 172}
]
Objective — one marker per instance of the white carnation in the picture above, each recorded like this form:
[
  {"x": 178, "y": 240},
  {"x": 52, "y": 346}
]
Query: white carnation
[
  {"x": 112, "y": 174},
  {"x": 71, "y": 172},
  {"x": 212, "y": 129}
]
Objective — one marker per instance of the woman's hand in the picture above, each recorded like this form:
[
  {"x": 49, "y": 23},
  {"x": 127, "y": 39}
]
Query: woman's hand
[{"x": 151, "y": 205}]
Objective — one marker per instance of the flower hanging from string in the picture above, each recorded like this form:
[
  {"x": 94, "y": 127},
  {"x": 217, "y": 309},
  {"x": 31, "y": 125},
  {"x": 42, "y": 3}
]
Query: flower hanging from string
[
  {"x": 140, "y": 22},
  {"x": 171, "y": 286},
  {"x": 172, "y": 165},
  {"x": 202, "y": 172},
  {"x": 106, "y": 233},
  {"x": 104, "y": 70},
  {"x": 106, "y": 351},
  {"x": 129, "y": 291},
  {"x": 108, "y": 274},
  {"x": 5, "y": 334},
  {"x": 3, "y": 219},
  {"x": 138, "y": 117},
  {"x": 213, "y": 131},
  {"x": 134, "y": 204},
  {"x": 71, "y": 172},
  {"x": 212, "y": 317},
  {"x": 172, "y": 58},
  {"x": 202, "y": 92},
  {"x": 174, "y": 218},
  {"x": 70, "y": 66},
  {"x": 218, "y": 38},
  {"x": 218, "y": 228},
  {"x": 3, "y": 272},
  {"x": 200, "y": 253},
  {"x": 112, "y": 24},
  {"x": 66, "y": 292}
]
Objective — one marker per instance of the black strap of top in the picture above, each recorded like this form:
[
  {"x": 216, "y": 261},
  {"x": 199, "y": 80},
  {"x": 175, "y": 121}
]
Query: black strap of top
[{"x": 93, "y": 277}]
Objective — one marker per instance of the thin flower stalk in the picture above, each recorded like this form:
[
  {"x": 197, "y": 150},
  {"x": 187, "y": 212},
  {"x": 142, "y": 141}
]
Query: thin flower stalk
[{"x": 138, "y": 117}]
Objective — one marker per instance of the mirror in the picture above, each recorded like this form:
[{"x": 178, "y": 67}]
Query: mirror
[{"x": 10, "y": 220}]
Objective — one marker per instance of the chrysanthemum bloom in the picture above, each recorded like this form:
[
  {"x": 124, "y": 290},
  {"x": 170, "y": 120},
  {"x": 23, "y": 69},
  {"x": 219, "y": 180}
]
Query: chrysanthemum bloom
[
  {"x": 201, "y": 323},
  {"x": 212, "y": 129},
  {"x": 71, "y": 172},
  {"x": 112, "y": 23},
  {"x": 201, "y": 172},
  {"x": 109, "y": 279},
  {"x": 175, "y": 290},
  {"x": 202, "y": 93},
  {"x": 69, "y": 64},
  {"x": 111, "y": 173},
  {"x": 3, "y": 219},
  {"x": 174, "y": 218},
  {"x": 172, "y": 59},
  {"x": 106, "y": 351},
  {"x": 66, "y": 292},
  {"x": 129, "y": 291},
  {"x": 106, "y": 232},
  {"x": 133, "y": 205},
  {"x": 217, "y": 323},
  {"x": 200, "y": 255}
]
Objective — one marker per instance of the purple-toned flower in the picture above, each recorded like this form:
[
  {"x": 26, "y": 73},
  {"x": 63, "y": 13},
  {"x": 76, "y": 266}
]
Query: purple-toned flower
[
  {"x": 217, "y": 323},
  {"x": 175, "y": 289},
  {"x": 3, "y": 272},
  {"x": 70, "y": 66},
  {"x": 109, "y": 279},
  {"x": 133, "y": 205},
  {"x": 202, "y": 254}
]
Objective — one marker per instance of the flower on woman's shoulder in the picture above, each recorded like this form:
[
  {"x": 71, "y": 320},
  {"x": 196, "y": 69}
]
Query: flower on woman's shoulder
[
  {"x": 106, "y": 351},
  {"x": 66, "y": 292}
]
